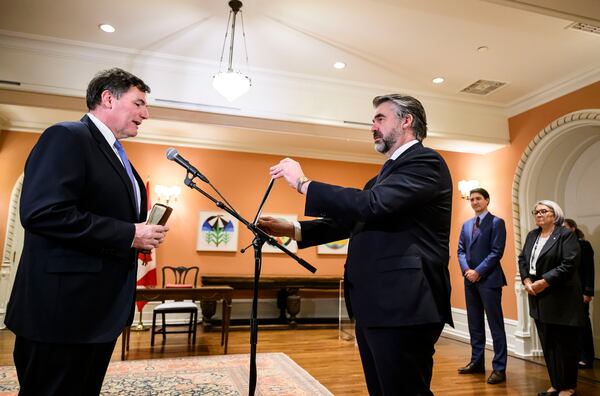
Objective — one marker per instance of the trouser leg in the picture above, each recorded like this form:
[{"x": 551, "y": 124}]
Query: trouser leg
[
  {"x": 475, "y": 318},
  {"x": 48, "y": 369}
]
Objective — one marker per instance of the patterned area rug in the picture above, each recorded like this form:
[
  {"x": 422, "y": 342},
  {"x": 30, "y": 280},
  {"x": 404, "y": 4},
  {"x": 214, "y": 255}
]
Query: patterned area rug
[{"x": 201, "y": 375}]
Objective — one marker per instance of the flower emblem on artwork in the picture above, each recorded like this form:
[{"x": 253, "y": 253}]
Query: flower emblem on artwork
[{"x": 217, "y": 230}]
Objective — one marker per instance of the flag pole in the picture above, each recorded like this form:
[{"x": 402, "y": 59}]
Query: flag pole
[{"x": 140, "y": 326}]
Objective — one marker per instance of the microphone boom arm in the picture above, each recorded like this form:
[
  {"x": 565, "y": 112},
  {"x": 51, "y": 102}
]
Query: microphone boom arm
[{"x": 252, "y": 227}]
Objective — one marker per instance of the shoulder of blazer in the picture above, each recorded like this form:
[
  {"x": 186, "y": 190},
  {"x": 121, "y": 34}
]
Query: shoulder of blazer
[
  {"x": 528, "y": 244},
  {"x": 93, "y": 130},
  {"x": 490, "y": 218},
  {"x": 532, "y": 235},
  {"x": 497, "y": 220},
  {"x": 82, "y": 131},
  {"x": 415, "y": 149},
  {"x": 414, "y": 152},
  {"x": 561, "y": 232}
]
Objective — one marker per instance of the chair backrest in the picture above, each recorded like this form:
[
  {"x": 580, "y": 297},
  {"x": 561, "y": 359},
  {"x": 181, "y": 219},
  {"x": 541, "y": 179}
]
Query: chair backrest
[{"x": 182, "y": 276}]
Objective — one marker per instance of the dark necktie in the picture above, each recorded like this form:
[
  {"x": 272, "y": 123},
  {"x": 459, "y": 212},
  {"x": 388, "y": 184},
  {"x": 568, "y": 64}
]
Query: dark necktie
[
  {"x": 386, "y": 165},
  {"x": 475, "y": 227},
  {"x": 127, "y": 167}
]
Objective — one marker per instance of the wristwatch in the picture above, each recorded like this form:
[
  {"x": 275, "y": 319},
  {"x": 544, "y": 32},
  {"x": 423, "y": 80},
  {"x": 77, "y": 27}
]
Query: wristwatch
[{"x": 300, "y": 182}]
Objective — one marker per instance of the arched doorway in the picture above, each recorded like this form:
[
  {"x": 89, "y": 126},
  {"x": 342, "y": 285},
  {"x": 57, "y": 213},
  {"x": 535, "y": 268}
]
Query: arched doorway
[
  {"x": 13, "y": 245},
  {"x": 562, "y": 164}
]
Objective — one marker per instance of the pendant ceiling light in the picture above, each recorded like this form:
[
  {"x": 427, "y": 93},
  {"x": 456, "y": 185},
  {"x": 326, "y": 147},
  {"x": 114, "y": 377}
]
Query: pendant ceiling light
[{"x": 231, "y": 83}]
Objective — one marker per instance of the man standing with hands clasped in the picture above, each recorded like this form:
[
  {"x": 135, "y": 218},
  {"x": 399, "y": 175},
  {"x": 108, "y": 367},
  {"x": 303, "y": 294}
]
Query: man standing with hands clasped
[
  {"x": 83, "y": 207},
  {"x": 396, "y": 275},
  {"x": 480, "y": 248}
]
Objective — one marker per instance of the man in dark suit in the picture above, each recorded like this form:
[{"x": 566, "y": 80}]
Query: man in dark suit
[
  {"x": 82, "y": 207},
  {"x": 480, "y": 248},
  {"x": 396, "y": 275}
]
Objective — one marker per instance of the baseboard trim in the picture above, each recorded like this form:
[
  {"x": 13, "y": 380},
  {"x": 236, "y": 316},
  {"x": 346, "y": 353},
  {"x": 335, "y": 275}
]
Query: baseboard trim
[{"x": 314, "y": 309}]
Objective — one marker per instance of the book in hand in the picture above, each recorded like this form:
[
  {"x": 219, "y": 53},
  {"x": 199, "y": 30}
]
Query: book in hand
[{"x": 159, "y": 214}]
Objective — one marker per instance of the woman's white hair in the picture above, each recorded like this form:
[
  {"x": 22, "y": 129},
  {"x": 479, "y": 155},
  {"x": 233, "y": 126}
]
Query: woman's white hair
[{"x": 559, "y": 216}]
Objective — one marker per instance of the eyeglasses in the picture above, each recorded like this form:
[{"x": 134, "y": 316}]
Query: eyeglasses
[{"x": 541, "y": 211}]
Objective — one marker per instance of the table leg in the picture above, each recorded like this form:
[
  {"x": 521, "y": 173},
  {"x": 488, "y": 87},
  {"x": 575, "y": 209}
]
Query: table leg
[
  {"x": 225, "y": 323},
  {"x": 293, "y": 303},
  {"x": 209, "y": 308},
  {"x": 125, "y": 341}
]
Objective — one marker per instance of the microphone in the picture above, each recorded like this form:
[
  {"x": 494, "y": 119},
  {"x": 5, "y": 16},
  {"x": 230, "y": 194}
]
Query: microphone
[{"x": 173, "y": 155}]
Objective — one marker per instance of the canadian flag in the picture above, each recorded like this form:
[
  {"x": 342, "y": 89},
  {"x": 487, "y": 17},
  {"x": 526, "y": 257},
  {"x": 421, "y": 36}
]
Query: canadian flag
[{"x": 146, "y": 269}]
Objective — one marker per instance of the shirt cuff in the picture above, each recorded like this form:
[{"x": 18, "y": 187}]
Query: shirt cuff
[{"x": 297, "y": 231}]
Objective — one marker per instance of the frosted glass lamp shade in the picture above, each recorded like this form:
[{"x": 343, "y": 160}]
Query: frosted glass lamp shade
[{"x": 231, "y": 84}]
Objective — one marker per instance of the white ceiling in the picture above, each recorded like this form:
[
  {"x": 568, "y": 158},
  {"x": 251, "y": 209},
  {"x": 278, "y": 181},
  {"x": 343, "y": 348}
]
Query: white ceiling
[{"x": 54, "y": 47}]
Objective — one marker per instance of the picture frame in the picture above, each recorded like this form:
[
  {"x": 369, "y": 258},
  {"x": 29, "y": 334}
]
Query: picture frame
[
  {"x": 289, "y": 243},
  {"x": 336, "y": 247},
  {"x": 217, "y": 232}
]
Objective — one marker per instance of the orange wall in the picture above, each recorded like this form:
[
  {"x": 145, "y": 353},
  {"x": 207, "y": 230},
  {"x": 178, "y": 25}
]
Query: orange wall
[{"x": 243, "y": 177}]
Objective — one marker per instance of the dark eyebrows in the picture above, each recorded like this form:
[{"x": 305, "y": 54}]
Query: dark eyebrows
[{"x": 378, "y": 115}]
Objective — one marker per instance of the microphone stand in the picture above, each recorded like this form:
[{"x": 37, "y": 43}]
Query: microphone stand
[{"x": 260, "y": 237}]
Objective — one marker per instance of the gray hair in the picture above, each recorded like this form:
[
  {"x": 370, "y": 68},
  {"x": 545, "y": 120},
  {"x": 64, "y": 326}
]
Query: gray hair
[
  {"x": 559, "y": 216},
  {"x": 405, "y": 105}
]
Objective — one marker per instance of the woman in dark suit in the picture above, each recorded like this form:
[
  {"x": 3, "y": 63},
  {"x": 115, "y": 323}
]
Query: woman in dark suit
[
  {"x": 586, "y": 275},
  {"x": 548, "y": 266}
]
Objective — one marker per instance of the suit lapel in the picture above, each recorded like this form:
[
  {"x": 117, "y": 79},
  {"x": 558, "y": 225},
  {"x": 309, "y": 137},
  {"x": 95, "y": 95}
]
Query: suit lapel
[
  {"x": 483, "y": 225},
  {"x": 380, "y": 177},
  {"x": 143, "y": 195},
  {"x": 398, "y": 161},
  {"x": 550, "y": 242},
  {"x": 112, "y": 158},
  {"x": 529, "y": 242},
  {"x": 469, "y": 230}
]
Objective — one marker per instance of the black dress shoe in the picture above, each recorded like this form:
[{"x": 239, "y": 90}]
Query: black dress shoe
[
  {"x": 496, "y": 377},
  {"x": 471, "y": 368},
  {"x": 548, "y": 393},
  {"x": 584, "y": 365}
]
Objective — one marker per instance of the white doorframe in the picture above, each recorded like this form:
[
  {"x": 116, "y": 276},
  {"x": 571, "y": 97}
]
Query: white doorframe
[
  {"x": 542, "y": 174},
  {"x": 13, "y": 245}
]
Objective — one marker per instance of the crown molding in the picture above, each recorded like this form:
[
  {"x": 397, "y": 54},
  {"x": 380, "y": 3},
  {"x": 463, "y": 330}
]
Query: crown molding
[
  {"x": 554, "y": 91},
  {"x": 183, "y": 83}
]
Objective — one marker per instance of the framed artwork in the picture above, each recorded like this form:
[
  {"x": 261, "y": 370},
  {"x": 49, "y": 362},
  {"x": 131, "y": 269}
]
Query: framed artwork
[
  {"x": 337, "y": 247},
  {"x": 289, "y": 243},
  {"x": 217, "y": 232}
]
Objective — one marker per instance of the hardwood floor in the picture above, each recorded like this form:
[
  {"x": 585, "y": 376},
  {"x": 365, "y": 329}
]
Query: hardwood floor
[{"x": 336, "y": 363}]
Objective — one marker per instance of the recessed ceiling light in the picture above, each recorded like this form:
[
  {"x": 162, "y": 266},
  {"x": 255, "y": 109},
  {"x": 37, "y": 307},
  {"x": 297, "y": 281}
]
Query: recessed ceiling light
[
  {"x": 105, "y": 27},
  {"x": 339, "y": 65},
  {"x": 438, "y": 80},
  {"x": 483, "y": 48}
]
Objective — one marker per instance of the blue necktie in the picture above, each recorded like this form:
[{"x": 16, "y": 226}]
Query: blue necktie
[{"x": 127, "y": 167}]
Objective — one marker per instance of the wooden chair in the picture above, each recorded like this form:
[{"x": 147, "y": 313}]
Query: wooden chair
[{"x": 183, "y": 277}]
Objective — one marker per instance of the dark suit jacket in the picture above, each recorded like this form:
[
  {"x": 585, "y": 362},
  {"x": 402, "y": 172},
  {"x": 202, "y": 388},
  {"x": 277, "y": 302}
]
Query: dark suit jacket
[
  {"x": 76, "y": 278},
  {"x": 484, "y": 251},
  {"x": 397, "y": 267},
  {"x": 558, "y": 264},
  {"x": 587, "y": 267}
]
